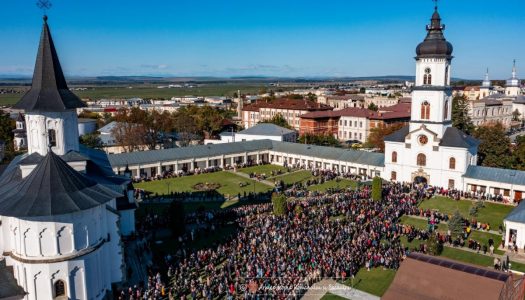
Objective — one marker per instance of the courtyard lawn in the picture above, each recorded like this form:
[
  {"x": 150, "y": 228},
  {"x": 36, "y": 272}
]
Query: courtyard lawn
[
  {"x": 229, "y": 184},
  {"x": 330, "y": 296},
  {"x": 376, "y": 281},
  {"x": 492, "y": 213},
  {"x": 294, "y": 177},
  {"x": 342, "y": 183},
  {"x": 263, "y": 169},
  {"x": 422, "y": 224},
  {"x": 480, "y": 236}
]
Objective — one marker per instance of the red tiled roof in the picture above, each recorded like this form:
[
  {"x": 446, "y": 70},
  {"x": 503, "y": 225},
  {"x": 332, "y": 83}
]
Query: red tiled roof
[
  {"x": 288, "y": 104},
  {"x": 398, "y": 111}
]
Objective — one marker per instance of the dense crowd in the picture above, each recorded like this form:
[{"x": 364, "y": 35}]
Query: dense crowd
[{"x": 323, "y": 235}]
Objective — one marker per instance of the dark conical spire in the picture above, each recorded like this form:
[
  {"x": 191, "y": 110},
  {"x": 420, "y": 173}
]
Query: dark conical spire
[{"x": 49, "y": 91}]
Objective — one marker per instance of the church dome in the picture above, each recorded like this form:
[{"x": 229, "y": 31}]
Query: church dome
[{"x": 435, "y": 44}]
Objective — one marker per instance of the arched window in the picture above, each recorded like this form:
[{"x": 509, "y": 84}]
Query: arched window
[
  {"x": 60, "y": 288},
  {"x": 52, "y": 137},
  {"x": 427, "y": 78},
  {"x": 425, "y": 110},
  {"x": 452, "y": 163},
  {"x": 394, "y": 156},
  {"x": 393, "y": 175},
  {"x": 446, "y": 110},
  {"x": 421, "y": 160},
  {"x": 446, "y": 76}
]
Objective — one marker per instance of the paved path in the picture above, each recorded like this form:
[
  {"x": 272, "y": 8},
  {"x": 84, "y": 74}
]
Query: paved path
[
  {"x": 266, "y": 182},
  {"x": 318, "y": 290}
]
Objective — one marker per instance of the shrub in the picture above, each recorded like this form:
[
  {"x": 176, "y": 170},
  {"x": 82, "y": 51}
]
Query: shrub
[
  {"x": 377, "y": 189},
  {"x": 434, "y": 247},
  {"x": 279, "y": 204}
]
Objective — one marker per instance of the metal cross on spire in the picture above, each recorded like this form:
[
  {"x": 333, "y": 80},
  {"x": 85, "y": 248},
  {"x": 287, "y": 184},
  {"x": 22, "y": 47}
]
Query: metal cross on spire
[
  {"x": 435, "y": 4},
  {"x": 44, "y": 5}
]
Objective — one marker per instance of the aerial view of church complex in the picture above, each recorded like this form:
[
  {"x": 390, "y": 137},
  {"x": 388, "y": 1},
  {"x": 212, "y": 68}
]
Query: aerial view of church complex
[{"x": 325, "y": 188}]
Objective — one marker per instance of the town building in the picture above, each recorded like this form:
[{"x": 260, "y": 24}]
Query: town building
[
  {"x": 486, "y": 89},
  {"x": 490, "y": 110},
  {"x": 63, "y": 211},
  {"x": 289, "y": 109},
  {"x": 353, "y": 123},
  {"x": 86, "y": 126},
  {"x": 261, "y": 131},
  {"x": 342, "y": 101}
]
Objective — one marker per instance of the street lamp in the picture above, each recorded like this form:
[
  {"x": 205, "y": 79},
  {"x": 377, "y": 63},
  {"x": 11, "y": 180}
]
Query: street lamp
[{"x": 168, "y": 184}]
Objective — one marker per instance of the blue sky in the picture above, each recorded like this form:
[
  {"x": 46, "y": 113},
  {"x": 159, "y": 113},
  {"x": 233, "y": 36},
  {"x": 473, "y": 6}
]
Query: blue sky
[{"x": 270, "y": 37}]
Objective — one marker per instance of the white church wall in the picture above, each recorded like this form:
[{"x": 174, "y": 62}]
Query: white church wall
[{"x": 65, "y": 125}]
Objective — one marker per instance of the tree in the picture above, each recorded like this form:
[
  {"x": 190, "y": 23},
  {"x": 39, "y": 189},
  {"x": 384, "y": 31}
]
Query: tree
[
  {"x": 455, "y": 224},
  {"x": 279, "y": 204},
  {"x": 7, "y": 125},
  {"x": 176, "y": 218},
  {"x": 185, "y": 126},
  {"x": 434, "y": 247},
  {"x": 377, "y": 189},
  {"x": 516, "y": 115},
  {"x": 129, "y": 133},
  {"x": 319, "y": 139},
  {"x": 376, "y": 138},
  {"x": 208, "y": 120},
  {"x": 373, "y": 106},
  {"x": 278, "y": 120},
  {"x": 91, "y": 140},
  {"x": 460, "y": 115},
  {"x": 494, "y": 148},
  {"x": 518, "y": 154},
  {"x": 311, "y": 97}
]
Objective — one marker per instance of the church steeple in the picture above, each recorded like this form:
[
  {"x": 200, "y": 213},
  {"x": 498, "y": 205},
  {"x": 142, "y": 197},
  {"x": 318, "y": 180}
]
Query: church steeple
[
  {"x": 486, "y": 81},
  {"x": 50, "y": 107},
  {"x": 431, "y": 96},
  {"x": 49, "y": 91}
]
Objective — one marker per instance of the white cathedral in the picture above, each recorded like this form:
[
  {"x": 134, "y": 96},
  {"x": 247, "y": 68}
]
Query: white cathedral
[
  {"x": 63, "y": 211},
  {"x": 430, "y": 150}
]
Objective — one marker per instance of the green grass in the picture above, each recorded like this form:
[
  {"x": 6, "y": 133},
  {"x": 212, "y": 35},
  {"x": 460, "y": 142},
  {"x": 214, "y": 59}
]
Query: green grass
[
  {"x": 299, "y": 176},
  {"x": 342, "y": 183},
  {"x": 422, "y": 224},
  {"x": 480, "y": 236},
  {"x": 330, "y": 296},
  {"x": 376, "y": 281},
  {"x": 264, "y": 169},
  {"x": 229, "y": 184},
  {"x": 150, "y": 91},
  {"x": 492, "y": 213}
]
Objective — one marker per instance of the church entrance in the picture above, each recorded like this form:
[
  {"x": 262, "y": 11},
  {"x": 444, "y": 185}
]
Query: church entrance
[
  {"x": 420, "y": 177},
  {"x": 420, "y": 180}
]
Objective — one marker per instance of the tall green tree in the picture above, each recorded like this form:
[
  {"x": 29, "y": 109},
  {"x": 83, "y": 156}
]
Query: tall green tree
[
  {"x": 518, "y": 154},
  {"x": 494, "y": 149},
  {"x": 373, "y": 106},
  {"x": 460, "y": 115},
  {"x": 91, "y": 140},
  {"x": 377, "y": 189},
  {"x": 319, "y": 140},
  {"x": 455, "y": 224},
  {"x": 278, "y": 120},
  {"x": 279, "y": 204}
]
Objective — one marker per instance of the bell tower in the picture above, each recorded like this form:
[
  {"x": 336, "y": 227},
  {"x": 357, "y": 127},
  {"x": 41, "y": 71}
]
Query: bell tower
[
  {"x": 432, "y": 95},
  {"x": 50, "y": 107}
]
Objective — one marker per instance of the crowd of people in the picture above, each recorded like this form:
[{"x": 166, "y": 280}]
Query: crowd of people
[{"x": 322, "y": 235}]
